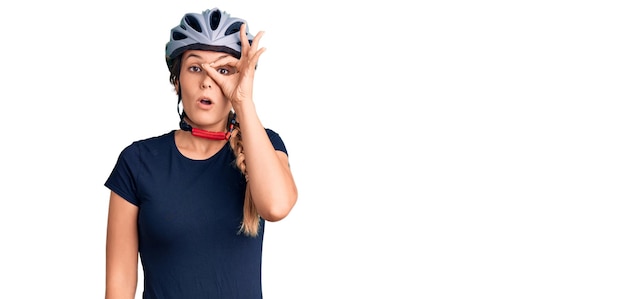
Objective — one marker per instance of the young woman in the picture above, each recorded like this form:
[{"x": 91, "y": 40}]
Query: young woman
[{"x": 192, "y": 203}]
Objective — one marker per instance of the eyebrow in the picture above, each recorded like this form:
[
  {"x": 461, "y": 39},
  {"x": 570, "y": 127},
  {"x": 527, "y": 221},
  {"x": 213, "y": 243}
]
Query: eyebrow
[{"x": 198, "y": 56}]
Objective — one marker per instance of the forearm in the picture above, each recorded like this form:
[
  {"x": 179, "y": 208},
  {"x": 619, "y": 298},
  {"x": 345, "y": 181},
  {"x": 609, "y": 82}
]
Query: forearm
[
  {"x": 121, "y": 273},
  {"x": 271, "y": 183},
  {"x": 122, "y": 245},
  {"x": 121, "y": 286}
]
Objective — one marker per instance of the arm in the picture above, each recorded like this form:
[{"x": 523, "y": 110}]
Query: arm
[
  {"x": 121, "y": 249},
  {"x": 270, "y": 179}
]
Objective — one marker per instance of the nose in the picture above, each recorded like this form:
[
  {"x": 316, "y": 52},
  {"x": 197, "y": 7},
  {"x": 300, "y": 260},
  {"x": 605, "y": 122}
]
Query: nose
[{"x": 207, "y": 82}]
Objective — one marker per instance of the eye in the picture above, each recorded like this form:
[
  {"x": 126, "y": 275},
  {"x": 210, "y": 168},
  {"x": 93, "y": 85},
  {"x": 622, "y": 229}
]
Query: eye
[
  {"x": 195, "y": 69},
  {"x": 226, "y": 70}
]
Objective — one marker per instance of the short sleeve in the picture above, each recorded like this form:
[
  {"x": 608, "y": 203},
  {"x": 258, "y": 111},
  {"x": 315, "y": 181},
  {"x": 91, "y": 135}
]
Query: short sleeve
[
  {"x": 122, "y": 180},
  {"x": 277, "y": 141}
]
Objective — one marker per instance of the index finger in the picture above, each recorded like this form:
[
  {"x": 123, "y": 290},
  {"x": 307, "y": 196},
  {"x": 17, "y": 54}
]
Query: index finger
[{"x": 243, "y": 36}]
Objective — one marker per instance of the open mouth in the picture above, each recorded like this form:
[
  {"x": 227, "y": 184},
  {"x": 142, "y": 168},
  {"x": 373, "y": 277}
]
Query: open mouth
[{"x": 206, "y": 101}]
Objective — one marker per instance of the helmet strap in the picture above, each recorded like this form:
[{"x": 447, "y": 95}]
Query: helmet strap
[{"x": 203, "y": 133}]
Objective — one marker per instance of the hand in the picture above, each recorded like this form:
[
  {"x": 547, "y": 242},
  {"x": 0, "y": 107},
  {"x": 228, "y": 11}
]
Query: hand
[{"x": 237, "y": 87}]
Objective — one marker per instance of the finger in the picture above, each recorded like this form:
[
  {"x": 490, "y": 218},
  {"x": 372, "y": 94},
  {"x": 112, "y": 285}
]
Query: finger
[
  {"x": 243, "y": 37},
  {"x": 209, "y": 68},
  {"x": 257, "y": 38},
  {"x": 252, "y": 53},
  {"x": 254, "y": 60}
]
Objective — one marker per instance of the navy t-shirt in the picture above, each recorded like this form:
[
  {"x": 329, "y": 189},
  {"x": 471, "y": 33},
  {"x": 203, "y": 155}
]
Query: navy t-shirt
[{"x": 190, "y": 212}]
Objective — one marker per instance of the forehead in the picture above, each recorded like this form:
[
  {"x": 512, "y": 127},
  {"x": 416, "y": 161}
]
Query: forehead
[{"x": 204, "y": 55}]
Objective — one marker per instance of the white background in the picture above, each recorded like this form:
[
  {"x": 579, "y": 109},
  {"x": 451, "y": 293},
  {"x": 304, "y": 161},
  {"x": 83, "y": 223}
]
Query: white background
[{"x": 442, "y": 149}]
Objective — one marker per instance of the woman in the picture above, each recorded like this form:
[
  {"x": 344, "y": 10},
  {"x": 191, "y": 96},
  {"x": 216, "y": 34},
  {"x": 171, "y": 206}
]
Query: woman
[{"x": 192, "y": 203}]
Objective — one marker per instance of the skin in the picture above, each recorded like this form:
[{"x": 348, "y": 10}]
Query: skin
[{"x": 228, "y": 83}]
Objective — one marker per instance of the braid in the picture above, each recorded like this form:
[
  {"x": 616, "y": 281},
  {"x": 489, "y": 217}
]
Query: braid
[{"x": 250, "y": 223}]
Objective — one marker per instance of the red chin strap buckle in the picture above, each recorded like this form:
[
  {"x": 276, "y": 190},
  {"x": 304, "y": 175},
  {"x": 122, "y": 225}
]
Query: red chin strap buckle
[{"x": 210, "y": 135}]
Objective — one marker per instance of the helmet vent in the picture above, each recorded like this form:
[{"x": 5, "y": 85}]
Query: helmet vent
[
  {"x": 193, "y": 22},
  {"x": 233, "y": 28},
  {"x": 215, "y": 18},
  {"x": 178, "y": 36}
]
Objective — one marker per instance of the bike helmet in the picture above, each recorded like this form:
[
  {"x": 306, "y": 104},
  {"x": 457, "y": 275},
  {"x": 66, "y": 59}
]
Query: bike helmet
[{"x": 213, "y": 30}]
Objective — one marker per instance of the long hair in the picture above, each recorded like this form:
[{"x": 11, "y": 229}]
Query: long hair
[
  {"x": 250, "y": 223},
  {"x": 251, "y": 219}
]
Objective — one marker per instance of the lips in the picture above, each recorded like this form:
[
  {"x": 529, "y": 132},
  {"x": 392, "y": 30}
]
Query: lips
[{"x": 205, "y": 104}]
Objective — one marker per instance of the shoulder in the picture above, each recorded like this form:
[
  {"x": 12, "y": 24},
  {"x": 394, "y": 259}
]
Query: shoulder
[
  {"x": 163, "y": 138},
  {"x": 271, "y": 133},
  {"x": 154, "y": 145},
  {"x": 276, "y": 140}
]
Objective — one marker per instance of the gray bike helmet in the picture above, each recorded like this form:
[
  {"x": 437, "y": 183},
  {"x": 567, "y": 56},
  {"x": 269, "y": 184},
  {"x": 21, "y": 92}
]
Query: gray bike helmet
[{"x": 213, "y": 30}]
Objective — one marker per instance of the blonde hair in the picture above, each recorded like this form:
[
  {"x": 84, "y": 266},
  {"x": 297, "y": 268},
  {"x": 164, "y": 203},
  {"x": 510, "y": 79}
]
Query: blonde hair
[{"x": 251, "y": 218}]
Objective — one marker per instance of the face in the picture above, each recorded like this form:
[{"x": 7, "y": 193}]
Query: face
[{"x": 203, "y": 101}]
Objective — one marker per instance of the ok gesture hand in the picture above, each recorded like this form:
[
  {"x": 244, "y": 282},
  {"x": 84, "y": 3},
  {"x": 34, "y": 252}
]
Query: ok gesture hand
[{"x": 236, "y": 77}]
